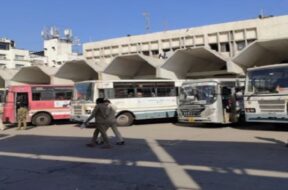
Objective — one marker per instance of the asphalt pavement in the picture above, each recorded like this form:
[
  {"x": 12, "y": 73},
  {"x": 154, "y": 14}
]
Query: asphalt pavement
[{"x": 156, "y": 156}]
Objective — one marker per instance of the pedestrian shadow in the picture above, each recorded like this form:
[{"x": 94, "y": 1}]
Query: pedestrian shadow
[{"x": 276, "y": 141}]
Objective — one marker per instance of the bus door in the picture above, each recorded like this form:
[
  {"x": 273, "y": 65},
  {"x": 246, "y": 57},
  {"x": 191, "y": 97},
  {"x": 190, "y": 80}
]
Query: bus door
[
  {"x": 226, "y": 93},
  {"x": 21, "y": 101},
  {"x": 229, "y": 104}
]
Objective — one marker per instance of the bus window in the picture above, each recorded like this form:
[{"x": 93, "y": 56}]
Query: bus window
[
  {"x": 42, "y": 93},
  {"x": 63, "y": 94},
  {"x": 123, "y": 89},
  {"x": 166, "y": 89}
]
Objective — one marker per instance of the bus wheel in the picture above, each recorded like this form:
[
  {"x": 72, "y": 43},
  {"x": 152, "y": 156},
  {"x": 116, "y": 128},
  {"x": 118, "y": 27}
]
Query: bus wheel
[
  {"x": 125, "y": 119},
  {"x": 41, "y": 119}
]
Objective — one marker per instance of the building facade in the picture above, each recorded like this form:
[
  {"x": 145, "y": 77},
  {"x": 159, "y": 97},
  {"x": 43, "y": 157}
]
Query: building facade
[
  {"x": 228, "y": 39},
  {"x": 11, "y": 57},
  {"x": 58, "y": 51}
]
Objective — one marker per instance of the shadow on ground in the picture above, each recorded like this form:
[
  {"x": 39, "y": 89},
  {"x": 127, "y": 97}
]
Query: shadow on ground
[{"x": 49, "y": 162}]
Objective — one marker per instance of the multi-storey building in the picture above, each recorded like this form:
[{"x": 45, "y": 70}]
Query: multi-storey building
[
  {"x": 58, "y": 49},
  {"x": 11, "y": 57},
  {"x": 228, "y": 39}
]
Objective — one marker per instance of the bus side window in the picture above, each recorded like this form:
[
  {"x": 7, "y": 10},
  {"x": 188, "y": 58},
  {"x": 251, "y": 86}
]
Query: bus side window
[
  {"x": 101, "y": 93},
  {"x": 59, "y": 96},
  {"x": 36, "y": 95}
]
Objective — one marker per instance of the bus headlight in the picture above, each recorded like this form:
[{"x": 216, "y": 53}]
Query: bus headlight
[{"x": 250, "y": 110}]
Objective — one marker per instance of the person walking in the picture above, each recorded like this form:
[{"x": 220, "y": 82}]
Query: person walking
[
  {"x": 22, "y": 113},
  {"x": 99, "y": 114},
  {"x": 110, "y": 121}
]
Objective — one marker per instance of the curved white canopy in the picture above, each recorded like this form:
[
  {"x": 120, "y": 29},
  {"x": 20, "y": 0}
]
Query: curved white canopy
[
  {"x": 33, "y": 75},
  {"x": 198, "y": 62},
  {"x": 38, "y": 75},
  {"x": 79, "y": 70},
  {"x": 264, "y": 52},
  {"x": 135, "y": 66}
]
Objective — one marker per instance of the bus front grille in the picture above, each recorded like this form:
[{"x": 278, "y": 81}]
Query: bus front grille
[
  {"x": 189, "y": 113},
  {"x": 77, "y": 110},
  {"x": 272, "y": 106}
]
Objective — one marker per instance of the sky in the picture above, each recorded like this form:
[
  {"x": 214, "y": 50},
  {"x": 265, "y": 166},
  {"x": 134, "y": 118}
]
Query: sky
[{"x": 94, "y": 20}]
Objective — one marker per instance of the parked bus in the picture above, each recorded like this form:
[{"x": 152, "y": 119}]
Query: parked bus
[
  {"x": 266, "y": 94},
  {"x": 44, "y": 102},
  {"x": 211, "y": 101},
  {"x": 134, "y": 99}
]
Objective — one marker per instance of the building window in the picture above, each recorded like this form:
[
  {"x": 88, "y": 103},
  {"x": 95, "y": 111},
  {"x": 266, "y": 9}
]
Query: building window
[
  {"x": 250, "y": 41},
  {"x": 4, "y": 46},
  {"x": 214, "y": 47},
  {"x": 19, "y": 57},
  {"x": 240, "y": 45},
  {"x": 19, "y": 65},
  {"x": 146, "y": 53},
  {"x": 155, "y": 52},
  {"x": 225, "y": 47}
]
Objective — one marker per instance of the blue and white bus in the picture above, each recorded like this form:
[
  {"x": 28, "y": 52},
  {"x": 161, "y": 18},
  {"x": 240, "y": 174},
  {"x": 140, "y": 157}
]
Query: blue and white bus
[{"x": 134, "y": 99}]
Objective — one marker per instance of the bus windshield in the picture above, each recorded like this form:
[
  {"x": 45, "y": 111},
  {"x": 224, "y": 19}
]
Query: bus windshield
[
  {"x": 198, "y": 94},
  {"x": 84, "y": 91},
  {"x": 268, "y": 81}
]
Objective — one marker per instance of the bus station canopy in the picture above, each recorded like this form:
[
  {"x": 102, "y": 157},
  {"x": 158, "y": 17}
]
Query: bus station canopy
[
  {"x": 79, "y": 70},
  {"x": 134, "y": 66},
  {"x": 5, "y": 77},
  {"x": 263, "y": 52},
  {"x": 198, "y": 63},
  {"x": 38, "y": 75}
]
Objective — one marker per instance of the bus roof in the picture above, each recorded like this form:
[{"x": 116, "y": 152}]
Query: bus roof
[
  {"x": 131, "y": 80},
  {"x": 38, "y": 85},
  {"x": 269, "y": 66},
  {"x": 218, "y": 80}
]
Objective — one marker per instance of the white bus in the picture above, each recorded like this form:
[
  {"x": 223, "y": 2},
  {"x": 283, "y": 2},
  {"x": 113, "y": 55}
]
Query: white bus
[
  {"x": 211, "y": 101},
  {"x": 266, "y": 94},
  {"x": 134, "y": 99}
]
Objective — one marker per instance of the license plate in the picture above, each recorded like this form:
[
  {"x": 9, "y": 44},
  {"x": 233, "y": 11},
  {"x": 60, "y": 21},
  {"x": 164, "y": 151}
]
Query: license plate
[{"x": 191, "y": 119}]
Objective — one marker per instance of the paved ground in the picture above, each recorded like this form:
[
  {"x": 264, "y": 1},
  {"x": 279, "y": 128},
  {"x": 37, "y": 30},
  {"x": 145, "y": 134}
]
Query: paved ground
[{"x": 159, "y": 156}]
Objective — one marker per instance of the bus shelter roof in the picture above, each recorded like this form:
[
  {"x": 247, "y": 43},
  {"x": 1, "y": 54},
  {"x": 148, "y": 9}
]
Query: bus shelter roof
[
  {"x": 38, "y": 75},
  {"x": 199, "y": 62},
  {"x": 263, "y": 52},
  {"x": 134, "y": 66},
  {"x": 33, "y": 75},
  {"x": 79, "y": 70},
  {"x": 5, "y": 77}
]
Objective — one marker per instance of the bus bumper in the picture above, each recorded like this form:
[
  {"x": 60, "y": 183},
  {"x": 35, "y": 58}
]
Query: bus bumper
[{"x": 269, "y": 118}]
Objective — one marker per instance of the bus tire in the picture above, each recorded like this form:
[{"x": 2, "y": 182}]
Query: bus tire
[
  {"x": 125, "y": 119},
  {"x": 41, "y": 119}
]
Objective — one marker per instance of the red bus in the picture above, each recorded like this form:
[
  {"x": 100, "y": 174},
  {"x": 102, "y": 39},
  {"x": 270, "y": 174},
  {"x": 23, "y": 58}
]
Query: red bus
[{"x": 44, "y": 102}]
